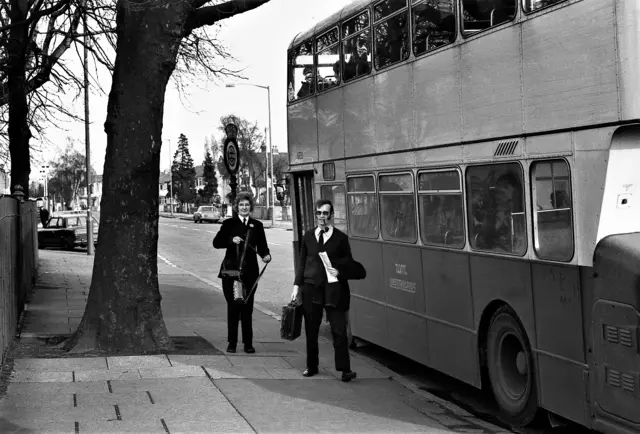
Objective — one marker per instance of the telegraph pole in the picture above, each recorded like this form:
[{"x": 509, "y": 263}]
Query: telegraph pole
[{"x": 86, "y": 136}]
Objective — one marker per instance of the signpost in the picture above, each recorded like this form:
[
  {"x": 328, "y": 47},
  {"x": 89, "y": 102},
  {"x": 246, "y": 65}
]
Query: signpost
[{"x": 231, "y": 155}]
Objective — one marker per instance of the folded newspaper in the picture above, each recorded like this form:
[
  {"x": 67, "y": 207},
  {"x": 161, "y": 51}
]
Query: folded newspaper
[{"x": 327, "y": 266}]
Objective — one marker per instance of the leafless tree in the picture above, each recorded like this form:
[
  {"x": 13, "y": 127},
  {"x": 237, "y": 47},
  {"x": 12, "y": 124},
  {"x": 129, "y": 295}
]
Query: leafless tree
[{"x": 153, "y": 39}]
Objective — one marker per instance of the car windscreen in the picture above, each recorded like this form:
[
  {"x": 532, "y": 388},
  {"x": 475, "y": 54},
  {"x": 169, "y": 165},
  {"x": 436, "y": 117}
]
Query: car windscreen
[{"x": 206, "y": 209}]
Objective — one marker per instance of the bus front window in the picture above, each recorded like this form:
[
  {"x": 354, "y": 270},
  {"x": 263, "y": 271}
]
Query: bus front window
[{"x": 300, "y": 75}]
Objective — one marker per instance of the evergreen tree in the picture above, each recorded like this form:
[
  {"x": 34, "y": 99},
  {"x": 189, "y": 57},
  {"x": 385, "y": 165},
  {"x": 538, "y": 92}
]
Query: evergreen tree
[
  {"x": 183, "y": 173},
  {"x": 210, "y": 182}
]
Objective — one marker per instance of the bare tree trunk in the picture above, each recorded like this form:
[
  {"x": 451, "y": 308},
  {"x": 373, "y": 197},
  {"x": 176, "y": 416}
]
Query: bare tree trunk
[
  {"x": 19, "y": 132},
  {"x": 123, "y": 311}
]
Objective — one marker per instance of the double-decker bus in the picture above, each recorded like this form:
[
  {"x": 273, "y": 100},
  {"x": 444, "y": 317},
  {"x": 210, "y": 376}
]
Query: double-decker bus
[{"x": 483, "y": 156}]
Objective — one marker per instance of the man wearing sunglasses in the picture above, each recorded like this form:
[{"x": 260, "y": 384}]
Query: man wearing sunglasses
[{"x": 321, "y": 287}]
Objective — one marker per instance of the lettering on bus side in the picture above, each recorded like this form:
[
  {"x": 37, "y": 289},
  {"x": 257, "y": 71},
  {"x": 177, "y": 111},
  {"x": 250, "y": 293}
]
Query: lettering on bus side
[{"x": 401, "y": 284}]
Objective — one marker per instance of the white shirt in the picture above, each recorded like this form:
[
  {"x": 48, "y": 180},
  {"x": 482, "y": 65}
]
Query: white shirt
[
  {"x": 327, "y": 234},
  {"x": 244, "y": 220}
]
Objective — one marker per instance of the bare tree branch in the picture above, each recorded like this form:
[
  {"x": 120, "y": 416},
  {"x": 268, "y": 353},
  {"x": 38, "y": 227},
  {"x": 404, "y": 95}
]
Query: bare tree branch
[{"x": 206, "y": 16}]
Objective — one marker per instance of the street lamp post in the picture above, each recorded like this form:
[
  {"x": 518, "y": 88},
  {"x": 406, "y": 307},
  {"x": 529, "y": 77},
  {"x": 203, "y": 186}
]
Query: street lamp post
[
  {"x": 273, "y": 193},
  {"x": 87, "y": 141},
  {"x": 170, "y": 179},
  {"x": 44, "y": 172}
]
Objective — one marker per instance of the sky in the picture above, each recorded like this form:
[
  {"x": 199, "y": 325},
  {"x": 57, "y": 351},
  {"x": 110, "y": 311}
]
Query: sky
[{"x": 258, "y": 40}]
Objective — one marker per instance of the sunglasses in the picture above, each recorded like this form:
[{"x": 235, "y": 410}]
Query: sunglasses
[{"x": 325, "y": 213}]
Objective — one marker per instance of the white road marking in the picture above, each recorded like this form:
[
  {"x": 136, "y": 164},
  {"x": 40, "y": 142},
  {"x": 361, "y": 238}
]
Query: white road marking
[{"x": 273, "y": 244}]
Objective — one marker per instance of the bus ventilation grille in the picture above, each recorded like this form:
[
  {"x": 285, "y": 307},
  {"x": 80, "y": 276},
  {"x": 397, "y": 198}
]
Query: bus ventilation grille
[{"x": 506, "y": 148}]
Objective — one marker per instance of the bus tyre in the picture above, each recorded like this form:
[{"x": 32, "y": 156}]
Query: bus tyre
[{"x": 511, "y": 368}]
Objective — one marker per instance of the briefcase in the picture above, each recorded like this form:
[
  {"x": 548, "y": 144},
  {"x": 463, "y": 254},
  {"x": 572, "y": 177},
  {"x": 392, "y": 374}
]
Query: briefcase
[{"x": 291, "y": 323}]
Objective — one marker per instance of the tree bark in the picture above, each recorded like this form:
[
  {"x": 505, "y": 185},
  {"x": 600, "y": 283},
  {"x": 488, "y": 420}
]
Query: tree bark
[
  {"x": 19, "y": 132},
  {"x": 123, "y": 311}
]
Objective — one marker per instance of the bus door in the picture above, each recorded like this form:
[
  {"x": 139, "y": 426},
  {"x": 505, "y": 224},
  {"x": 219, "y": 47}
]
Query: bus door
[{"x": 302, "y": 196}]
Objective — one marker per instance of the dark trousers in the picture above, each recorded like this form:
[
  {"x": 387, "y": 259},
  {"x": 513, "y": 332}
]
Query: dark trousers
[
  {"x": 238, "y": 313},
  {"x": 312, "y": 313}
]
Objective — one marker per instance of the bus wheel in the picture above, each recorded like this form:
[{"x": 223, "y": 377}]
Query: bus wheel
[{"x": 511, "y": 368}]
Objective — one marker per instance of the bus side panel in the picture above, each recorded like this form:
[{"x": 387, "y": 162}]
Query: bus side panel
[
  {"x": 359, "y": 118},
  {"x": 451, "y": 337},
  {"x": 628, "y": 16},
  {"x": 491, "y": 101},
  {"x": 575, "y": 46},
  {"x": 508, "y": 280},
  {"x": 559, "y": 326},
  {"x": 404, "y": 289},
  {"x": 394, "y": 122},
  {"x": 368, "y": 318},
  {"x": 330, "y": 123},
  {"x": 303, "y": 132},
  {"x": 436, "y": 99}
]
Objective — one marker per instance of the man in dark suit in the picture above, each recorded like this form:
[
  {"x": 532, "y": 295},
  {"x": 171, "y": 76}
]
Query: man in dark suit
[
  {"x": 238, "y": 234},
  {"x": 318, "y": 289}
]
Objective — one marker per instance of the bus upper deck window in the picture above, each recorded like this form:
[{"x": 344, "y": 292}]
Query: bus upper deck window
[
  {"x": 534, "y": 5},
  {"x": 434, "y": 25},
  {"x": 478, "y": 15},
  {"x": 301, "y": 81},
  {"x": 356, "y": 47},
  {"x": 328, "y": 60},
  {"x": 391, "y": 30},
  {"x": 553, "y": 212}
]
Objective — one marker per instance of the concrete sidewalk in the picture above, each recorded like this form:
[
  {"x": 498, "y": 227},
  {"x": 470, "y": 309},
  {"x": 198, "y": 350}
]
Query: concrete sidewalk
[
  {"x": 198, "y": 388},
  {"x": 266, "y": 223}
]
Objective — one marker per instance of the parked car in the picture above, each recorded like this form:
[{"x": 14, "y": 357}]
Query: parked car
[
  {"x": 66, "y": 231},
  {"x": 207, "y": 214}
]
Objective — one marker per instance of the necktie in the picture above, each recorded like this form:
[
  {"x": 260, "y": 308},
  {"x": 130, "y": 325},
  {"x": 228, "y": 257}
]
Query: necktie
[
  {"x": 321, "y": 241},
  {"x": 244, "y": 221}
]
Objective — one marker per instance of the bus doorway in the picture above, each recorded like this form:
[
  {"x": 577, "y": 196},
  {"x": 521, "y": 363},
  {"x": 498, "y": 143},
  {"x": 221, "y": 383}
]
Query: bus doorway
[{"x": 303, "y": 218}]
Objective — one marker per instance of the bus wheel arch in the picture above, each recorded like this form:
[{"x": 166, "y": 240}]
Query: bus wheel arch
[{"x": 507, "y": 364}]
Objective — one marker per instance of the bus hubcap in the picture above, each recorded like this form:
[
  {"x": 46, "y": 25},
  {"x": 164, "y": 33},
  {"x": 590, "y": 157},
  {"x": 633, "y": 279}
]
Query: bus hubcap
[{"x": 514, "y": 367}]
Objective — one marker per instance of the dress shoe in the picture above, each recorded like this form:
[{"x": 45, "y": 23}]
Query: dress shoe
[
  {"x": 249, "y": 349},
  {"x": 348, "y": 376},
  {"x": 231, "y": 348},
  {"x": 309, "y": 372}
]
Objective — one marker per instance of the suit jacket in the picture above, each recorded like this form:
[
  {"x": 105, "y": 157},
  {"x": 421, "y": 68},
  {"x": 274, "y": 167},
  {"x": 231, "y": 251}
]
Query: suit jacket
[
  {"x": 311, "y": 269},
  {"x": 254, "y": 230}
]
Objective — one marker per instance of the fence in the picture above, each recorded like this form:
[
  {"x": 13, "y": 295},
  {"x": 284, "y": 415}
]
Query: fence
[{"x": 18, "y": 262}]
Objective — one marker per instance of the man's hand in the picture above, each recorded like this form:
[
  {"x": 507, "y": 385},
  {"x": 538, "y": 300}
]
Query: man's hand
[
  {"x": 237, "y": 240},
  {"x": 332, "y": 272},
  {"x": 266, "y": 259},
  {"x": 295, "y": 293}
]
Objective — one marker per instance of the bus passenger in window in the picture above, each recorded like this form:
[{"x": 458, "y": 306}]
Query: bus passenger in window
[
  {"x": 358, "y": 64},
  {"x": 307, "y": 85}
]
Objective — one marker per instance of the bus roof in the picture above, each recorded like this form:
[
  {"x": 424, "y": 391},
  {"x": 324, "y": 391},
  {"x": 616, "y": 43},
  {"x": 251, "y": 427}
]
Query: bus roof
[{"x": 331, "y": 20}]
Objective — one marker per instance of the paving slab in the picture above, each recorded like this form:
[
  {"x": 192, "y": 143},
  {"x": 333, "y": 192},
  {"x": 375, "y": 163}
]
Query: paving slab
[
  {"x": 239, "y": 372},
  {"x": 90, "y": 400},
  {"x": 296, "y": 374},
  {"x": 195, "y": 416},
  {"x": 259, "y": 362},
  {"x": 327, "y": 406},
  {"x": 49, "y": 389},
  {"x": 172, "y": 372},
  {"x": 107, "y": 374},
  {"x": 64, "y": 364},
  {"x": 41, "y": 377},
  {"x": 196, "y": 360},
  {"x": 135, "y": 362}
]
